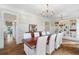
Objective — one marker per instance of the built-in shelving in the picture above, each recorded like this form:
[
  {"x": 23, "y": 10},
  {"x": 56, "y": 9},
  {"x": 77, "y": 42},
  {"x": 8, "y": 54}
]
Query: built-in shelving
[{"x": 70, "y": 28}]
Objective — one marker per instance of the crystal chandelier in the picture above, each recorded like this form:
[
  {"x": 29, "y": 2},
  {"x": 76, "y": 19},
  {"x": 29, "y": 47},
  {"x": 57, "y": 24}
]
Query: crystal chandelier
[{"x": 47, "y": 11}]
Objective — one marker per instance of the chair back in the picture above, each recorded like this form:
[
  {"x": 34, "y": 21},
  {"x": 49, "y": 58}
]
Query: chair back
[
  {"x": 47, "y": 33},
  {"x": 41, "y": 45},
  {"x": 51, "y": 45},
  {"x": 36, "y": 34},
  {"x": 59, "y": 39},
  {"x": 27, "y": 35},
  {"x": 43, "y": 33}
]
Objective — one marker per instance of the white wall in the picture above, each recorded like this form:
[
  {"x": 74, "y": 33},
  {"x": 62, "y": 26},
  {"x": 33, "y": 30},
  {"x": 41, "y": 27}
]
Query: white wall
[
  {"x": 1, "y": 32},
  {"x": 52, "y": 25},
  {"x": 23, "y": 20},
  {"x": 23, "y": 24}
]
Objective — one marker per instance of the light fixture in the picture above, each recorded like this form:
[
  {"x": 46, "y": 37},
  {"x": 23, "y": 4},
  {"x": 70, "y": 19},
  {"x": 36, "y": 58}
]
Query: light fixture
[{"x": 47, "y": 11}]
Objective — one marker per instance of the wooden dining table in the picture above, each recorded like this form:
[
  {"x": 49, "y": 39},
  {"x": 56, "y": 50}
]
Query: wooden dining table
[{"x": 31, "y": 43}]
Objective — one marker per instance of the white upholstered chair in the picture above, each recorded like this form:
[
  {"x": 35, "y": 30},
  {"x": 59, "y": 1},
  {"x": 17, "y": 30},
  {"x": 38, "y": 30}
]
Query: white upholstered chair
[
  {"x": 51, "y": 45},
  {"x": 43, "y": 33},
  {"x": 27, "y": 35},
  {"x": 47, "y": 33},
  {"x": 58, "y": 41},
  {"x": 36, "y": 34},
  {"x": 61, "y": 37},
  {"x": 40, "y": 47}
]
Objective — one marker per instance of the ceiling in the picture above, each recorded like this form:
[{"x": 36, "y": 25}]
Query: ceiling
[{"x": 66, "y": 10}]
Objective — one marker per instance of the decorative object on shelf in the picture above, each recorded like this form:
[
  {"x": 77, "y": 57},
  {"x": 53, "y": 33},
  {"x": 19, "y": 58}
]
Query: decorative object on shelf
[
  {"x": 73, "y": 24},
  {"x": 56, "y": 22},
  {"x": 32, "y": 28},
  {"x": 8, "y": 23},
  {"x": 64, "y": 29},
  {"x": 47, "y": 11}
]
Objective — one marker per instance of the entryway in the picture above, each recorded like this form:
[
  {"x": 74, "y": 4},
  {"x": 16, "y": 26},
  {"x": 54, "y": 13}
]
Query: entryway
[{"x": 10, "y": 30}]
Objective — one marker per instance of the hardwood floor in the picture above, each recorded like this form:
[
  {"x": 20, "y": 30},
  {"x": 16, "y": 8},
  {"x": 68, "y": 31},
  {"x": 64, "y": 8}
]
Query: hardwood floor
[
  {"x": 65, "y": 49},
  {"x": 13, "y": 49}
]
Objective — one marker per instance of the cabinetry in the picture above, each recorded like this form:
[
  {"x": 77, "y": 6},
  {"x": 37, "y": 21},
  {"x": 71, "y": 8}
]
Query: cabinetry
[{"x": 70, "y": 28}]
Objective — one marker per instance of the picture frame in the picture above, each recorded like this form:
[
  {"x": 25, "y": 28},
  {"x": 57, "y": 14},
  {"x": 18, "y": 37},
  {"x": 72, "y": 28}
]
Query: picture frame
[{"x": 32, "y": 27}]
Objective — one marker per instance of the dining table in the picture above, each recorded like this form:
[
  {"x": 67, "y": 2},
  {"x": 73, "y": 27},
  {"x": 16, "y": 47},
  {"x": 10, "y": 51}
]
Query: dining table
[{"x": 31, "y": 43}]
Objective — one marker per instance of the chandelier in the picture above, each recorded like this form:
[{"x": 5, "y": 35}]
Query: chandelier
[{"x": 47, "y": 11}]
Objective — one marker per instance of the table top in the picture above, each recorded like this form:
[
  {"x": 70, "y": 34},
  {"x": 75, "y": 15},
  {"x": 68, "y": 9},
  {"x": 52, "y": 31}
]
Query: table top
[{"x": 31, "y": 42}]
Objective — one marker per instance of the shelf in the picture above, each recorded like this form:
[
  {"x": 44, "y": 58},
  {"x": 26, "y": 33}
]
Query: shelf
[
  {"x": 69, "y": 38},
  {"x": 72, "y": 29}
]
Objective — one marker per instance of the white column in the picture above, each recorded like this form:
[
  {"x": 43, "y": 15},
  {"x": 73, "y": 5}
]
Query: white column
[
  {"x": 18, "y": 39},
  {"x": 17, "y": 36}
]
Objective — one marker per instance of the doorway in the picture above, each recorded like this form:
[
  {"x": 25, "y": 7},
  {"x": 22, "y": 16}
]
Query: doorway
[
  {"x": 47, "y": 26},
  {"x": 10, "y": 30}
]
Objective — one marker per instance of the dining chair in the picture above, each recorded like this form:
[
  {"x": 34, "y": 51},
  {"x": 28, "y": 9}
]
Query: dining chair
[
  {"x": 43, "y": 33},
  {"x": 61, "y": 37},
  {"x": 40, "y": 48},
  {"x": 27, "y": 35},
  {"x": 47, "y": 33},
  {"x": 36, "y": 34},
  {"x": 51, "y": 46},
  {"x": 41, "y": 45},
  {"x": 58, "y": 41}
]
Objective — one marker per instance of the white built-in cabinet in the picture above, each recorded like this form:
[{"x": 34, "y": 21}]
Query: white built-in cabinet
[
  {"x": 70, "y": 30},
  {"x": 70, "y": 27}
]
